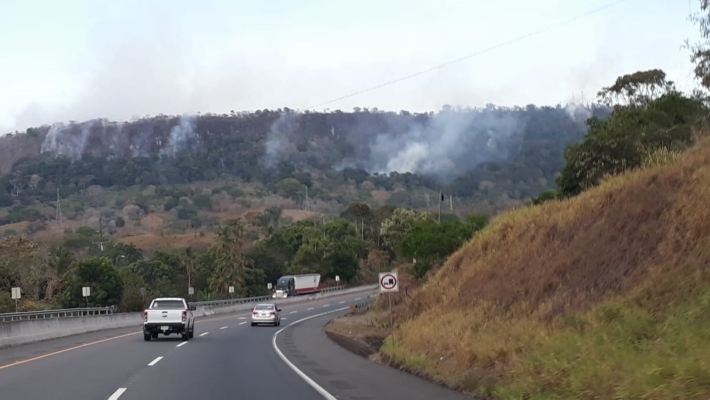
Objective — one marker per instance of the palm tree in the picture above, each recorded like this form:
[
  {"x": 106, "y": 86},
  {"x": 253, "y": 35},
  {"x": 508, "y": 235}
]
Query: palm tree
[{"x": 230, "y": 262}]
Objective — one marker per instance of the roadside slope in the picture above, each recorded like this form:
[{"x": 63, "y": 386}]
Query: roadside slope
[{"x": 606, "y": 295}]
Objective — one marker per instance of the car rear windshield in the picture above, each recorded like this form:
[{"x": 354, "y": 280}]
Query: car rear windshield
[
  {"x": 263, "y": 307},
  {"x": 168, "y": 304}
]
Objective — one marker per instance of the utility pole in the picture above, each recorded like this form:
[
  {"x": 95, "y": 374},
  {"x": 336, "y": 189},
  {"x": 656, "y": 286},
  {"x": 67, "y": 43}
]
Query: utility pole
[
  {"x": 428, "y": 203},
  {"x": 451, "y": 203},
  {"x": 307, "y": 205},
  {"x": 441, "y": 199},
  {"x": 59, "y": 210}
]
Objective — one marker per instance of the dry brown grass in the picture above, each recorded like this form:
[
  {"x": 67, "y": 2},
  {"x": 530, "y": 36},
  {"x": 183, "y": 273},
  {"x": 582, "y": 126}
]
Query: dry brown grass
[
  {"x": 18, "y": 227},
  {"x": 639, "y": 241},
  {"x": 151, "y": 241}
]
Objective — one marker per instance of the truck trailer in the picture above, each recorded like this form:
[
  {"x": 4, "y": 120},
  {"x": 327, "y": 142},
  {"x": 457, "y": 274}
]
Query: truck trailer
[{"x": 293, "y": 285}]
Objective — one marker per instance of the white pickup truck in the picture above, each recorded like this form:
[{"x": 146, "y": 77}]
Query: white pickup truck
[{"x": 168, "y": 315}]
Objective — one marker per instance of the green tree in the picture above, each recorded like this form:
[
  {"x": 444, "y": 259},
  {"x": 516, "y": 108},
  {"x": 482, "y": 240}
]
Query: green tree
[
  {"x": 649, "y": 115},
  {"x": 429, "y": 243},
  {"x": 229, "y": 256},
  {"x": 99, "y": 274},
  {"x": 394, "y": 228}
]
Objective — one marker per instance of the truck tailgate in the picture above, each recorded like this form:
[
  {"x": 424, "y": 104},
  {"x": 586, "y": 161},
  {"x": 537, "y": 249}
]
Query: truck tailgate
[{"x": 164, "y": 316}]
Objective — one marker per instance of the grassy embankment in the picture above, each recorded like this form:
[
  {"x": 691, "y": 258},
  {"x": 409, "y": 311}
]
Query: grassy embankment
[{"x": 606, "y": 295}]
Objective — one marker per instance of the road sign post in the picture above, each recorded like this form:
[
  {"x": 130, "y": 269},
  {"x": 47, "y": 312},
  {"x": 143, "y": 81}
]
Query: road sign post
[
  {"x": 190, "y": 291},
  {"x": 16, "y": 295},
  {"x": 389, "y": 283},
  {"x": 231, "y": 291},
  {"x": 337, "y": 280},
  {"x": 269, "y": 286},
  {"x": 86, "y": 292}
]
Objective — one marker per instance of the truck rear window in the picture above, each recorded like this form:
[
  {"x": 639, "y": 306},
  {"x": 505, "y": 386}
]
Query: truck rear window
[{"x": 168, "y": 304}]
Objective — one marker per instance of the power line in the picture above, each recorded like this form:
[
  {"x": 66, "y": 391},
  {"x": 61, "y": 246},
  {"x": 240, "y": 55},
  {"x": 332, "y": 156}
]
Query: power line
[{"x": 466, "y": 57}]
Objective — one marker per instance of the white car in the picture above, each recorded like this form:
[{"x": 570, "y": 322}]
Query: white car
[{"x": 266, "y": 313}]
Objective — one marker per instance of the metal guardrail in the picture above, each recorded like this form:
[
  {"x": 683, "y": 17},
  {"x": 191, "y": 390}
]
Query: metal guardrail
[
  {"x": 363, "y": 305},
  {"x": 88, "y": 311},
  {"x": 229, "y": 302},
  {"x": 60, "y": 313}
]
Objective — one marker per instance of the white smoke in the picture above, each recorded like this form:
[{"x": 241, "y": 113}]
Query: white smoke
[
  {"x": 180, "y": 136},
  {"x": 75, "y": 140}
]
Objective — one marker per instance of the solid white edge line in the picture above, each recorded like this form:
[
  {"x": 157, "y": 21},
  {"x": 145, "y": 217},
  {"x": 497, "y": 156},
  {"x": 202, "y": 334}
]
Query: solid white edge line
[
  {"x": 155, "y": 361},
  {"x": 117, "y": 394},
  {"x": 295, "y": 369}
]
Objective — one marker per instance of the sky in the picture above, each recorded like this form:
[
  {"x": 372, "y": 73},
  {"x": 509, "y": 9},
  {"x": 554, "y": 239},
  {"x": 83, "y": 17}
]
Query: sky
[{"x": 83, "y": 59}]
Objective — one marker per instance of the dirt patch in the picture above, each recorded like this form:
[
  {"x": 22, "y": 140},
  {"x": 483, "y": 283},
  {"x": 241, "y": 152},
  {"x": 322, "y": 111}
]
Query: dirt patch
[
  {"x": 18, "y": 227},
  {"x": 162, "y": 242},
  {"x": 299, "y": 215},
  {"x": 152, "y": 222},
  {"x": 380, "y": 195}
]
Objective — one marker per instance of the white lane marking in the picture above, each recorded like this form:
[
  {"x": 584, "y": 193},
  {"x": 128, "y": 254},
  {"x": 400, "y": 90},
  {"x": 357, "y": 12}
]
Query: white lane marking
[
  {"x": 341, "y": 302},
  {"x": 203, "y": 334},
  {"x": 293, "y": 312},
  {"x": 117, "y": 394},
  {"x": 242, "y": 317},
  {"x": 181, "y": 344},
  {"x": 155, "y": 361},
  {"x": 224, "y": 327},
  {"x": 295, "y": 369},
  {"x": 358, "y": 298},
  {"x": 284, "y": 317},
  {"x": 309, "y": 309},
  {"x": 242, "y": 323},
  {"x": 326, "y": 305}
]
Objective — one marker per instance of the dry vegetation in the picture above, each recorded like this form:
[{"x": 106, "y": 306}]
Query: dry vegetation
[
  {"x": 372, "y": 327},
  {"x": 606, "y": 295}
]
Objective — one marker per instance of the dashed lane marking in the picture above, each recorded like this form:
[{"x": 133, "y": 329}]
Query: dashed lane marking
[
  {"x": 155, "y": 361},
  {"x": 117, "y": 394}
]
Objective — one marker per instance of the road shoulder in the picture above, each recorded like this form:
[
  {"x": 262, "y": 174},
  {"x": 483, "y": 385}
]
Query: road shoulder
[{"x": 349, "y": 376}]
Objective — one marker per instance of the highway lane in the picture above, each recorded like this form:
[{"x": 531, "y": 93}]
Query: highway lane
[
  {"x": 348, "y": 376},
  {"x": 97, "y": 371},
  {"x": 239, "y": 363}
]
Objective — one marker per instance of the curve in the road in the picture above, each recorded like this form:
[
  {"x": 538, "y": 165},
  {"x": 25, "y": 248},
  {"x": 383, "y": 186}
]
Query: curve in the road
[
  {"x": 294, "y": 368},
  {"x": 226, "y": 358},
  {"x": 337, "y": 373}
]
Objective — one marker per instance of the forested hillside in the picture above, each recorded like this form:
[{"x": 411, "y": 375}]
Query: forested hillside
[
  {"x": 478, "y": 154},
  {"x": 219, "y": 200}
]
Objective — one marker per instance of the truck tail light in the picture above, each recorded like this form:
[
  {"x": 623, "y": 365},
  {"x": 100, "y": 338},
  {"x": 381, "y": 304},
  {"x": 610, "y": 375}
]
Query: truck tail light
[
  {"x": 145, "y": 315},
  {"x": 184, "y": 316}
]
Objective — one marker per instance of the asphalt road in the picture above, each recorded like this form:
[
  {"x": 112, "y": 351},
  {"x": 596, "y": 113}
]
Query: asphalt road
[
  {"x": 347, "y": 376},
  {"x": 227, "y": 357}
]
